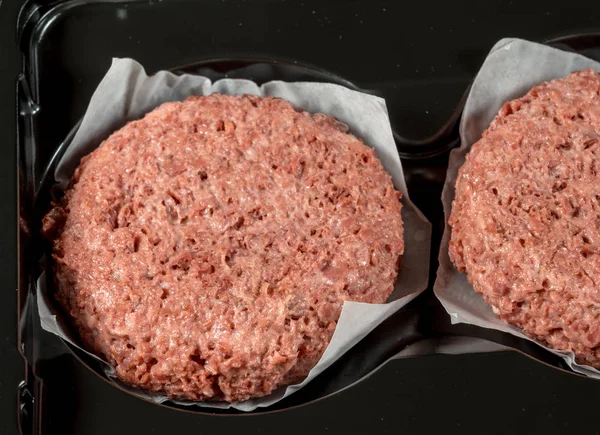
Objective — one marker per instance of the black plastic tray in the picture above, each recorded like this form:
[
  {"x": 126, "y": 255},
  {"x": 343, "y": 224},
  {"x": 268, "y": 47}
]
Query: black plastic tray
[{"x": 64, "y": 60}]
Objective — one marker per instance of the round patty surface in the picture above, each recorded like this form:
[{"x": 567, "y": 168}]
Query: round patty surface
[
  {"x": 526, "y": 216},
  {"x": 206, "y": 250}
]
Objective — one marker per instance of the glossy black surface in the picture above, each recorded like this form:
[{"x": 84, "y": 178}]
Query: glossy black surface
[{"x": 421, "y": 63}]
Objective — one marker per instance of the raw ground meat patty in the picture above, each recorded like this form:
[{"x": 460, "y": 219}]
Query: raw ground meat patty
[
  {"x": 206, "y": 250},
  {"x": 526, "y": 216}
]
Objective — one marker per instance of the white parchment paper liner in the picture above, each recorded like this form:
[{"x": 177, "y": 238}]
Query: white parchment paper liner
[
  {"x": 127, "y": 93},
  {"x": 511, "y": 69}
]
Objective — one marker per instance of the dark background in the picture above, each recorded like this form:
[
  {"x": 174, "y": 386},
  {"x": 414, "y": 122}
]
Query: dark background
[
  {"x": 436, "y": 49},
  {"x": 11, "y": 366}
]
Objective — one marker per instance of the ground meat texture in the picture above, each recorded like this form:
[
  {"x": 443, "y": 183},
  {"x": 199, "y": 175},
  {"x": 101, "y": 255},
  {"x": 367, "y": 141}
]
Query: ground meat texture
[
  {"x": 206, "y": 250},
  {"x": 526, "y": 217}
]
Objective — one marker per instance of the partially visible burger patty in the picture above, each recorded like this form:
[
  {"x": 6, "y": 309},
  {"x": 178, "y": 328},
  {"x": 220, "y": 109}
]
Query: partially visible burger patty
[
  {"x": 206, "y": 250},
  {"x": 526, "y": 217}
]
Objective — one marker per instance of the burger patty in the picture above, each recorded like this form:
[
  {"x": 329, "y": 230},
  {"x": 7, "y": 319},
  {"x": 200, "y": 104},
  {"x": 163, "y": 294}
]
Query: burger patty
[
  {"x": 526, "y": 216},
  {"x": 206, "y": 250}
]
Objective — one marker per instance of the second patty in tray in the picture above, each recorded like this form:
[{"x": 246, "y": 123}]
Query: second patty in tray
[
  {"x": 206, "y": 250},
  {"x": 526, "y": 216}
]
